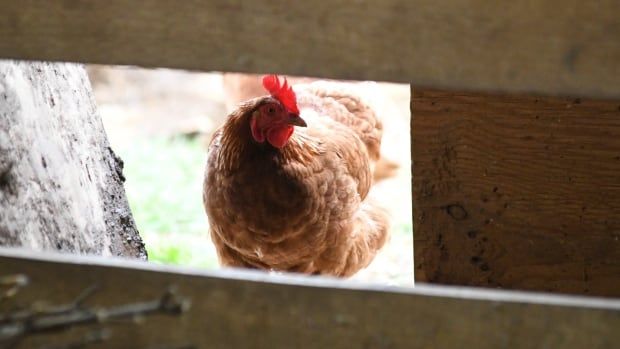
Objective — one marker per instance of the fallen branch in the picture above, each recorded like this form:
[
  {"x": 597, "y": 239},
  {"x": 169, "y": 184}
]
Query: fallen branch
[{"x": 19, "y": 324}]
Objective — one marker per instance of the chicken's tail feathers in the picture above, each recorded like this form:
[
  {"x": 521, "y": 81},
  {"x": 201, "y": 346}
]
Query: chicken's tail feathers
[
  {"x": 371, "y": 232},
  {"x": 384, "y": 168}
]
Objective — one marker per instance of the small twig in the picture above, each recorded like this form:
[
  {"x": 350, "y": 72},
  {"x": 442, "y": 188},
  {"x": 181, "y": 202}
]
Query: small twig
[
  {"x": 67, "y": 308},
  {"x": 28, "y": 322},
  {"x": 43, "y": 309}
]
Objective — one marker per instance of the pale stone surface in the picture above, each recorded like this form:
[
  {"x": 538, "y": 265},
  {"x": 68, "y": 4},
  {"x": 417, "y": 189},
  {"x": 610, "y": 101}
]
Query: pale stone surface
[{"x": 61, "y": 185}]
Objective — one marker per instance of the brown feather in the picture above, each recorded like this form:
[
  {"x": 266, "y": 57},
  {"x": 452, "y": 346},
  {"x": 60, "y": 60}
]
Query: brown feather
[{"x": 300, "y": 208}]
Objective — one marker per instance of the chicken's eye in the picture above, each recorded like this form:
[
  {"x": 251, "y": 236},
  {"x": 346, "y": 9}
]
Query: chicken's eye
[{"x": 271, "y": 110}]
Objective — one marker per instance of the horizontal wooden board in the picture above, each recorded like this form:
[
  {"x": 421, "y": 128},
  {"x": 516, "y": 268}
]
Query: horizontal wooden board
[
  {"x": 234, "y": 309},
  {"x": 517, "y": 192},
  {"x": 567, "y": 47}
]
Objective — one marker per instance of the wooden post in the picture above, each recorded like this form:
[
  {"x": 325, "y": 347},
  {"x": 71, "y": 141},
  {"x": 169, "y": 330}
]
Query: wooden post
[{"x": 517, "y": 192}]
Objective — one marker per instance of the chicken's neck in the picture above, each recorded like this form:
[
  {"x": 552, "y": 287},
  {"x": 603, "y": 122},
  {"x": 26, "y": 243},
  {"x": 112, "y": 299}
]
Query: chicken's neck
[{"x": 238, "y": 145}]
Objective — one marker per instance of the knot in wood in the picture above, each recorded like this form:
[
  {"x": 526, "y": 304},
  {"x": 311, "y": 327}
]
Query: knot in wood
[{"x": 456, "y": 211}]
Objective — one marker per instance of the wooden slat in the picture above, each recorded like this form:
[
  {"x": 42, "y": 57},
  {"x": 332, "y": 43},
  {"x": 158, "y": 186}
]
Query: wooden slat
[
  {"x": 568, "y": 47},
  {"x": 242, "y": 309},
  {"x": 517, "y": 192}
]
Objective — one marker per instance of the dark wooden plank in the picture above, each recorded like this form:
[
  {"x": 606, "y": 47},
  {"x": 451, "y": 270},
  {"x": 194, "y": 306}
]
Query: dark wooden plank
[
  {"x": 567, "y": 47},
  {"x": 243, "y": 309},
  {"x": 517, "y": 192}
]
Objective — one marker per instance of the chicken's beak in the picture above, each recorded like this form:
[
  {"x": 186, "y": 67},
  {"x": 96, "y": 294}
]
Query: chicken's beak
[{"x": 296, "y": 120}]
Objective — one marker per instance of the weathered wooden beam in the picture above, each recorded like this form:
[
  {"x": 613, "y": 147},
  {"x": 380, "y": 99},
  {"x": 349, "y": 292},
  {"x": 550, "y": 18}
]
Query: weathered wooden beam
[
  {"x": 567, "y": 47},
  {"x": 517, "y": 192},
  {"x": 235, "y": 309}
]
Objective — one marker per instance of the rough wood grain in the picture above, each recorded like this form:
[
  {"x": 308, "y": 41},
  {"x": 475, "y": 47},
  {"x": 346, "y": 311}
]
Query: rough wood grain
[
  {"x": 517, "y": 192},
  {"x": 568, "y": 47},
  {"x": 61, "y": 185},
  {"x": 232, "y": 309}
]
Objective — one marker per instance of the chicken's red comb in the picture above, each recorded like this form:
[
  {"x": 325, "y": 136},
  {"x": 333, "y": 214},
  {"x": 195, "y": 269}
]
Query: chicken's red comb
[{"x": 282, "y": 92}]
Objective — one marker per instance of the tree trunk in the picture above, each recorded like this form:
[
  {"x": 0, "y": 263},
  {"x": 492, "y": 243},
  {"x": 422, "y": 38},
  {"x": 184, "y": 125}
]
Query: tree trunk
[{"x": 61, "y": 185}]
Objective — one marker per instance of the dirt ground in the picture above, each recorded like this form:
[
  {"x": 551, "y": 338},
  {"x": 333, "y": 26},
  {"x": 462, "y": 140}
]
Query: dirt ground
[{"x": 138, "y": 105}]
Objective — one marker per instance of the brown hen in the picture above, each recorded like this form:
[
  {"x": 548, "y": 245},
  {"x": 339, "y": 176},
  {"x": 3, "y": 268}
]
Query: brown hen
[
  {"x": 239, "y": 87},
  {"x": 296, "y": 200}
]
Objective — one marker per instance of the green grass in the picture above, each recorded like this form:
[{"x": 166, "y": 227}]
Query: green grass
[
  {"x": 404, "y": 228},
  {"x": 164, "y": 186}
]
